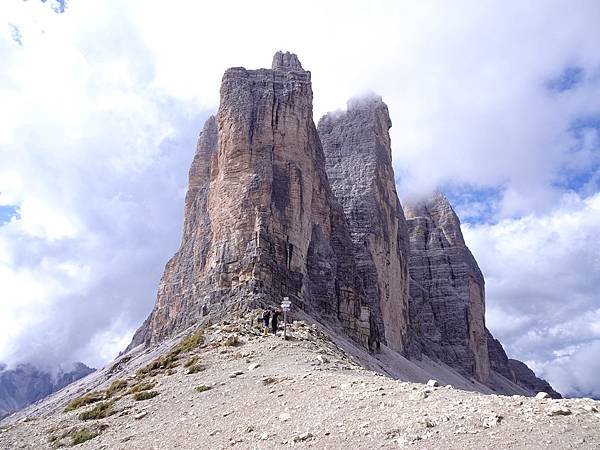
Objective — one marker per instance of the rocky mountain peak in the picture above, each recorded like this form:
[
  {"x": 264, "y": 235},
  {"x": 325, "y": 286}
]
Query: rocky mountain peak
[
  {"x": 357, "y": 148},
  {"x": 286, "y": 61},
  {"x": 277, "y": 207}
]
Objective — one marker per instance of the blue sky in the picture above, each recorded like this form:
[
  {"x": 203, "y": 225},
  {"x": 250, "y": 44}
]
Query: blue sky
[
  {"x": 7, "y": 212},
  {"x": 101, "y": 103}
]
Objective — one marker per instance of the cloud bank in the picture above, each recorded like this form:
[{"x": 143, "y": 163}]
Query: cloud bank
[{"x": 100, "y": 105}]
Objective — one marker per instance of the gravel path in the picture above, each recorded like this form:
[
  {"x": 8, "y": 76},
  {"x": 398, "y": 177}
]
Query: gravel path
[{"x": 267, "y": 393}]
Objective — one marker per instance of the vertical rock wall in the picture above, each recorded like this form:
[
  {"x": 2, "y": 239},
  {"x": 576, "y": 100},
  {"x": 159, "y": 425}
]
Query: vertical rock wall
[
  {"x": 260, "y": 219},
  {"x": 447, "y": 308},
  {"x": 358, "y": 160}
]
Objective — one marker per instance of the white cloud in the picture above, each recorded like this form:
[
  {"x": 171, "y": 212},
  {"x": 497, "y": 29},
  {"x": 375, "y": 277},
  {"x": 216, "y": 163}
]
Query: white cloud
[
  {"x": 100, "y": 107},
  {"x": 542, "y": 276}
]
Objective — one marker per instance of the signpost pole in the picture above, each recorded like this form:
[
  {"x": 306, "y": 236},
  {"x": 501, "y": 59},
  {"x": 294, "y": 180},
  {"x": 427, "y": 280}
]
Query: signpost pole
[{"x": 285, "y": 305}]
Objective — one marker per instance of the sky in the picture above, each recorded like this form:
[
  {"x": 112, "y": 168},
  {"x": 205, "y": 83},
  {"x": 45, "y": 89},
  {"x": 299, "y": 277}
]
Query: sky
[{"x": 495, "y": 103}]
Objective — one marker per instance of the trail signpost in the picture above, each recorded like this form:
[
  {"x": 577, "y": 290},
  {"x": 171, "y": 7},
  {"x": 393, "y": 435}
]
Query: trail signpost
[{"x": 285, "y": 306}]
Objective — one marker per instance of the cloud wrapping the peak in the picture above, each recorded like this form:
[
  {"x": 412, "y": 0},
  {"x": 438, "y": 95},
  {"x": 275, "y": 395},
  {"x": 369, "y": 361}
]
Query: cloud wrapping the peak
[{"x": 100, "y": 105}]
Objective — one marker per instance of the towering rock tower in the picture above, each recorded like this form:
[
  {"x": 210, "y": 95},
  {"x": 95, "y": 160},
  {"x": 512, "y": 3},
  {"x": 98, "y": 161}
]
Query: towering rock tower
[
  {"x": 276, "y": 209},
  {"x": 447, "y": 309},
  {"x": 358, "y": 159},
  {"x": 260, "y": 219}
]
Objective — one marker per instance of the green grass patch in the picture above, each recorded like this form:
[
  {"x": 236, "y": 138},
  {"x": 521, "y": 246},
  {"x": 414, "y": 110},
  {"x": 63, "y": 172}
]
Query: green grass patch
[
  {"x": 82, "y": 435},
  {"x": 75, "y": 435},
  {"x": 202, "y": 388},
  {"x": 190, "y": 342},
  {"x": 192, "y": 361},
  {"x": 115, "y": 387},
  {"x": 145, "y": 395},
  {"x": 168, "y": 362},
  {"x": 100, "y": 411},
  {"x": 159, "y": 365},
  {"x": 86, "y": 399},
  {"x": 195, "y": 369},
  {"x": 141, "y": 387}
]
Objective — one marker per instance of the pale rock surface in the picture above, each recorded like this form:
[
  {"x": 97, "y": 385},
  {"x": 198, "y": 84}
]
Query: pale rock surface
[
  {"x": 358, "y": 160},
  {"x": 337, "y": 406},
  {"x": 447, "y": 305},
  {"x": 447, "y": 289},
  {"x": 260, "y": 219}
]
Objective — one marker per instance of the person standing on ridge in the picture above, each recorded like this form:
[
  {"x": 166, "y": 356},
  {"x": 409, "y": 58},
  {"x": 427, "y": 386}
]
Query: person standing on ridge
[
  {"x": 274, "y": 320},
  {"x": 266, "y": 315}
]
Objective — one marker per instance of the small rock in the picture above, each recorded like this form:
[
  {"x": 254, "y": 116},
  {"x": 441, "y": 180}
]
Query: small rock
[
  {"x": 268, "y": 380},
  {"x": 140, "y": 415},
  {"x": 590, "y": 408},
  {"x": 236, "y": 373},
  {"x": 303, "y": 437},
  {"x": 542, "y": 395},
  {"x": 427, "y": 423},
  {"x": 420, "y": 395},
  {"x": 433, "y": 383},
  {"x": 284, "y": 417},
  {"x": 559, "y": 411},
  {"x": 253, "y": 366},
  {"x": 492, "y": 421},
  {"x": 322, "y": 359}
]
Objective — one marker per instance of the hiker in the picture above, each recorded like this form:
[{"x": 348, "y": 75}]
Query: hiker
[
  {"x": 274, "y": 320},
  {"x": 266, "y": 315}
]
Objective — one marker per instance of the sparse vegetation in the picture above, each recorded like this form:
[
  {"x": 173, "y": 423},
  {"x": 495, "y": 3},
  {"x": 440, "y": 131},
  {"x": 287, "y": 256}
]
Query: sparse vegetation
[
  {"x": 202, "y": 388},
  {"x": 191, "y": 341},
  {"x": 166, "y": 363},
  {"x": 159, "y": 365},
  {"x": 86, "y": 399},
  {"x": 145, "y": 395},
  {"x": 116, "y": 386},
  {"x": 192, "y": 361},
  {"x": 77, "y": 435},
  {"x": 100, "y": 411},
  {"x": 195, "y": 369},
  {"x": 141, "y": 387},
  {"x": 82, "y": 435}
]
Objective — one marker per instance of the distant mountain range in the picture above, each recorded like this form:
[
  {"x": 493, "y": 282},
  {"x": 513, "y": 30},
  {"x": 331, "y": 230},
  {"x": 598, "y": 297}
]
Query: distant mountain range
[{"x": 25, "y": 384}]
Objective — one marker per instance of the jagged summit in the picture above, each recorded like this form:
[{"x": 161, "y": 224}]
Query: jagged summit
[
  {"x": 278, "y": 208},
  {"x": 358, "y": 161},
  {"x": 286, "y": 61}
]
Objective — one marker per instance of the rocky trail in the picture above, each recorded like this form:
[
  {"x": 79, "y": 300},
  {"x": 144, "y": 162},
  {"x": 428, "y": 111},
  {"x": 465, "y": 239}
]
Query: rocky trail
[{"x": 227, "y": 386}]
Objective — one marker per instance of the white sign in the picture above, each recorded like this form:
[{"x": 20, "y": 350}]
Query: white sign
[{"x": 286, "y": 303}]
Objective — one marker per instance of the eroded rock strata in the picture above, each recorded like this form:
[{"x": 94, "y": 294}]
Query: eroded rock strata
[
  {"x": 358, "y": 160},
  {"x": 447, "y": 308},
  {"x": 276, "y": 209},
  {"x": 447, "y": 300},
  {"x": 260, "y": 220}
]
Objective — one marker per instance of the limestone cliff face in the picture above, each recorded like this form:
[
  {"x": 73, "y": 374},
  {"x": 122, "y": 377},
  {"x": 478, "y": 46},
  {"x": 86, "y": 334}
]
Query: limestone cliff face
[
  {"x": 260, "y": 219},
  {"x": 275, "y": 208},
  {"x": 358, "y": 160},
  {"x": 447, "y": 307},
  {"x": 447, "y": 300}
]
